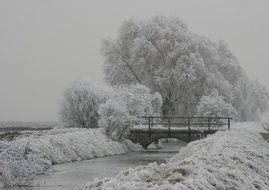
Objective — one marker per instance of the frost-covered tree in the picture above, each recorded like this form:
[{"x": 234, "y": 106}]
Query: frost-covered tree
[
  {"x": 139, "y": 100},
  {"x": 125, "y": 105},
  {"x": 250, "y": 100},
  {"x": 164, "y": 55},
  {"x": 80, "y": 104},
  {"x": 214, "y": 105}
]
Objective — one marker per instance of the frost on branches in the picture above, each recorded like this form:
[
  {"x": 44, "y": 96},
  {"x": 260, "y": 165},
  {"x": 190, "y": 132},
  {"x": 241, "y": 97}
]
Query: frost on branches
[
  {"x": 81, "y": 103},
  {"x": 164, "y": 55},
  {"x": 18, "y": 165},
  {"x": 86, "y": 105},
  {"x": 125, "y": 105},
  {"x": 23, "y": 158},
  {"x": 215, "y": 106},
  {"x": 251, "y": 100}
]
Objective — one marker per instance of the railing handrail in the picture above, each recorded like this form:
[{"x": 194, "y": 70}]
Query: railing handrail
[
  {"x": 185, "y": 117},
  {"x": 188, "y": 123}
]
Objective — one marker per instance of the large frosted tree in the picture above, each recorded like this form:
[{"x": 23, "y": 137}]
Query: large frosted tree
[{"x": 164, "y": 55}]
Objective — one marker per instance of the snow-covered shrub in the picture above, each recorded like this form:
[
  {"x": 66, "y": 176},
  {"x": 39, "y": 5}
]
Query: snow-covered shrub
[
  {"x": 126, "y": 104},
  {"x": 81, "y": 102},
  {"x": 19, "y": 164},
  {"x": 114, "y": 117},
  {"x": 215, "y": 106},
  {"x": 24, "y": 157}
]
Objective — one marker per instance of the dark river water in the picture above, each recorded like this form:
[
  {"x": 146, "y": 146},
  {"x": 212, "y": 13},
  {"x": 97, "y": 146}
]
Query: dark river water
[{"x": 70, "y": 175}]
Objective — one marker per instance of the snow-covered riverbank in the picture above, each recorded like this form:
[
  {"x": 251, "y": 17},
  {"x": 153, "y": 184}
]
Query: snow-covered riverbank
[
  {"x": 25, "y": 157},
  {"x": 235, "y": 159}
]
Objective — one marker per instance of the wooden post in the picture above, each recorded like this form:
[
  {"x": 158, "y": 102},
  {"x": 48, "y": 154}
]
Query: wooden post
[
  {"x": 189, "y": 128},
  {"x": 169, "y": 126},
  {"x": 229, "y": 123},
  {"x": 149, "y": 126},
  {"x": 209, "y": 123}
]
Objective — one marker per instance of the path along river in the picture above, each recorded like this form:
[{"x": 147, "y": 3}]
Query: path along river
[{"x": 73, "y": 174}]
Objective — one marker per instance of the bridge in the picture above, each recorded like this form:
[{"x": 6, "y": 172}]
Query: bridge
[{"x": 147, "y": 130}]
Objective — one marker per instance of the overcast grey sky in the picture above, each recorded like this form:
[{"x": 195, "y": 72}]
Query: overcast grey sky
[{"x": 45, "y": 44}]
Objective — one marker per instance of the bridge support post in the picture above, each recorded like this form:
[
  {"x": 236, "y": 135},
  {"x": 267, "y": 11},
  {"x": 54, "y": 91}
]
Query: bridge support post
[
  {"x": 189, "y": 129},
  {"x": 169, "y": 127},
  {"x": 149, "y": 126},
  {"x": 209, "y": 123}
]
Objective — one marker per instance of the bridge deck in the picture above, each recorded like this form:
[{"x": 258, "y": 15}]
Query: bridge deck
[{"x": 160, "y": 129}]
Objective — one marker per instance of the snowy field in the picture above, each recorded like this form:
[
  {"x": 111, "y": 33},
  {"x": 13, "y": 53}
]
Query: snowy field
[
  {"x": 26, "y": 156},
  {"x": 235, "y": 159},
  {"x": 28, "y": 124},
  {"x": 16, "y": 127}
]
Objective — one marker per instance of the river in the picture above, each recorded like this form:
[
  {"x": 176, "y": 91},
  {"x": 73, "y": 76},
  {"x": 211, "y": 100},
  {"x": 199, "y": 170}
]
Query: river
[{"x": 73, "y": 174}]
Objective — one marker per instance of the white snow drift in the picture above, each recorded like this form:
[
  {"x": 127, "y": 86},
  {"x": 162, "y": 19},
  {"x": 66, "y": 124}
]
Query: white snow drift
[
  {"x": 235, "y": 159},
  {"x": 21, "y": 159}
]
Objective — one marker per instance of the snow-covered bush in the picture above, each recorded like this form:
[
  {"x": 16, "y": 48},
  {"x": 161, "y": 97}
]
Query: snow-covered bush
[
  {"x": 215, "y": 106},
  {"x": 126, "y": 104},
  {"x": 19, "y": 164},
  {"x": 114, "y": 117},
  {"x": 23, "y": 158},
  {"x": 81, "y": 103}
]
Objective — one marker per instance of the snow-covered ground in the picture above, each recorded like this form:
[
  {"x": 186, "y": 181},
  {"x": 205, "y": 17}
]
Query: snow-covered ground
[
  {"x": 27, "y": 156},
  {"x": 234, "y": 159},
  {"x": 24, "y": 125}
]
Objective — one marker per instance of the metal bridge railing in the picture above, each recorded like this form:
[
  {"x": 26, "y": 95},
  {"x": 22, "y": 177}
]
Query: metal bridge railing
[{"x": 188, "y": 122}]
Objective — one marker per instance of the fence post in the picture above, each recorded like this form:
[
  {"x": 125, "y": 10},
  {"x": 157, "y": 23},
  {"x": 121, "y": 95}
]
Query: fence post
[
  {"x": 189, "y": 128},
  {"x": 229, "y": 123},
  {"x": 209, "y": 123},
  {"x": 149, "y": 126},
  {"x": 169, "y": 126},
  {"x": 151, "y": 122}
]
